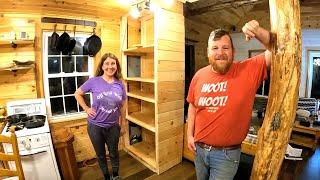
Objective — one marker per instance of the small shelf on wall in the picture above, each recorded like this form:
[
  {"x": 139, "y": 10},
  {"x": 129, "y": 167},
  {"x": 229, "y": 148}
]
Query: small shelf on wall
[
  {"x": 15, "y": 43},
  {"x": 145, "y": 120},
  {"x": 16, "y": 68}
]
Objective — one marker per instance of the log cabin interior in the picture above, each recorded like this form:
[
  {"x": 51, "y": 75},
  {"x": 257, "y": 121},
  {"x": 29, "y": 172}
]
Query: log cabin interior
[{"x": 160, "y": 50}]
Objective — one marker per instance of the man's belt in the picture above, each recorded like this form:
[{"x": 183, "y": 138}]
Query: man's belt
[{"x": 210, "y": 147}]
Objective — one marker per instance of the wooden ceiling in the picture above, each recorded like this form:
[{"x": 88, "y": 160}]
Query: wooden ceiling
[
  {"x": 232, "y": 14},
  {"x": 88, "y": 9}
]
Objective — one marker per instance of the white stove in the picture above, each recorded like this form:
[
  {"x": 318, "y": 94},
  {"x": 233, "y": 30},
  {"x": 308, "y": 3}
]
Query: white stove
[{"x": 35, "y": 145}]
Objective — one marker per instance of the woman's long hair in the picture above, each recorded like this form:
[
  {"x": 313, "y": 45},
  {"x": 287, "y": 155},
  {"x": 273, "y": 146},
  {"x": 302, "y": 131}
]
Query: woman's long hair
[{"x": 99, "y": 71}]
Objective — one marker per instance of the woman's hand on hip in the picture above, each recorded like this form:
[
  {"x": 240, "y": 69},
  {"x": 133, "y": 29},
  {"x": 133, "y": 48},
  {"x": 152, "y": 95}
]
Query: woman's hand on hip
[{"x": 91, "y": 112}]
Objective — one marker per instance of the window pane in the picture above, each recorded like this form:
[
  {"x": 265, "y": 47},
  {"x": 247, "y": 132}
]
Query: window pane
[
  {"x": 71, "y": 104},
  {"x": 54, "y": 65},
  {"x": 78, "y": 49},
  {"x": 69, "y": 85},
  {"x": 51, "y": 51},
  {"x": 68, "y": 64},
  {"x": 87, "y": 100},
  {"x": 56, "y": 106},
  {"x": 82, "y": 64},
  {"x": 81, "y": 80},
  {"x": 55, "y": 88},
  {"x": 315, "y": 89}
]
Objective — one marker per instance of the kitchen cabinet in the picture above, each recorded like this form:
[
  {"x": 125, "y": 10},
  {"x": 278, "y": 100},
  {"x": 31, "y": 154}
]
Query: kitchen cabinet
[{"x": 155, "y": 94}]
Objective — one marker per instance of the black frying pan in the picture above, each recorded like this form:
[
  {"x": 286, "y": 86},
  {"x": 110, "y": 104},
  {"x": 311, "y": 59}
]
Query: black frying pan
[
  {"x": 92, "y": 45},
  {"x": 63, "y": 42},
  {"x": 54, "y": 39},
  {"x": 72, "y": 42},
  {"x": 16, "y": 118},
  {"x": 35, "y": 121}
]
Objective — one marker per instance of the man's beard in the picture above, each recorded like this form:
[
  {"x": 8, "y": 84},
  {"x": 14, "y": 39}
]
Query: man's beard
[{"x": 221, "y": 68}]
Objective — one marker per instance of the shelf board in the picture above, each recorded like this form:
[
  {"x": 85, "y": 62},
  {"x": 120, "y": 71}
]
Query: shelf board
[
  {"x": 303, "y": 140},
  {"x": 138, "y": 118},
  {"x": 140, "y": 79},
  {"x": 146, "y": 96},
  {"x": 145, "y": 153},
  {"x": 140, "y": 50},
  {"x": 17, "y": 68},
  {"x": 18, "y": 42}
]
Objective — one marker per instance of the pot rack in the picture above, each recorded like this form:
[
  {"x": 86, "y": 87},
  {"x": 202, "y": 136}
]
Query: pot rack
[{"x": 68, "y": 21}]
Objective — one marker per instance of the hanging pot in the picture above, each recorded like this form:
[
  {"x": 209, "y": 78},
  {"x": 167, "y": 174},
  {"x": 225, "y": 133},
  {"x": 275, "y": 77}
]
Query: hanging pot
[
  {"x": 92, "y": 45},
  {"x": 54, "y": 38},
  {"x": 63, "y": 42},
  {"x": 72, "y": 42}
]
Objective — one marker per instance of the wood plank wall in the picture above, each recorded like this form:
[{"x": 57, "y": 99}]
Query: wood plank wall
[{"x": 170, "y": 88}]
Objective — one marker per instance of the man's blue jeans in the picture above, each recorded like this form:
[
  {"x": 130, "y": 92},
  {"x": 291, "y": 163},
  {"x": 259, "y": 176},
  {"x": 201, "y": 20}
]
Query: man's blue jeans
[{"x": 216, "y": 164}]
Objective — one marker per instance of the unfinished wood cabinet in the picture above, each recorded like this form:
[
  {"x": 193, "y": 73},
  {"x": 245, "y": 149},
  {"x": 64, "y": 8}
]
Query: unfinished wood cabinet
[{"x": 153, "y": 63}]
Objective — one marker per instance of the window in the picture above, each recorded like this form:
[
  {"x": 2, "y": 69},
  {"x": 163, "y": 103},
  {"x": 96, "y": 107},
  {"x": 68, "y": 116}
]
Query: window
[
  {"x": 264, "y": 87},
  {"x": 63, "y": 74},
  {"x": 313, "y": 80}
]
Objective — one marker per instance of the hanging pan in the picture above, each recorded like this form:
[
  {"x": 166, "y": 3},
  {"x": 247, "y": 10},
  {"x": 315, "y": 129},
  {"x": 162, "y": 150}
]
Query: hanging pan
[
  {"x": 72, "y": 42},
  {"x": 63, "y": 42},
  {"x": 93, "y": 44},
  {"x": 54, "y": 38}
]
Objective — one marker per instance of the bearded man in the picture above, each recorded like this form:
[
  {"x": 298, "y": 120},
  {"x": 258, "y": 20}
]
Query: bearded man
[{"x": 221, "y": 97}]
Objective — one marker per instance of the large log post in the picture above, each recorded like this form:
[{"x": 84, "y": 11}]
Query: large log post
[{"x": 275, "y": 132}]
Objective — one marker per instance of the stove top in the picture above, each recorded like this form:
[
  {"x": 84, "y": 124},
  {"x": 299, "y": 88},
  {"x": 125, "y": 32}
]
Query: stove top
[
  {"x": 27, "y": 132},
  {"x": 29, "y": 107}
]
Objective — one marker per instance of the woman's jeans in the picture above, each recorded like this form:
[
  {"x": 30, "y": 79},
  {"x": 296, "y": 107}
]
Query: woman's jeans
[
  {"x": 216, "y": 164},
  {"x": 100, "y": 136}
]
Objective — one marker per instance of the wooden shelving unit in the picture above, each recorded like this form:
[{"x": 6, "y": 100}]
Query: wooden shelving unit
[
  {"x": 152, "y": 88},
  {"x": 305, "y": 136}
]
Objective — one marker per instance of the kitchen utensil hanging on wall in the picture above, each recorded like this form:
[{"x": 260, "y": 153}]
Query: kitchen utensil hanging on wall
[
  {"x": 63, "y": 41},
  {"x": 54, "y": 38},
  {"x": 93, "y": 44},
  {"x": 72, "y": 42}
]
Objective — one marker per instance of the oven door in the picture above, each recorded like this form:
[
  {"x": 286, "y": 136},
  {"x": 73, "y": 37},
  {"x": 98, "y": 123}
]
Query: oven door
[{"x": 38, "y": 164}]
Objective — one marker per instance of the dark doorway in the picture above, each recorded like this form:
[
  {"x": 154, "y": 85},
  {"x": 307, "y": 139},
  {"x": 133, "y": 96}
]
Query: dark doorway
[{"x": 189, "y": 72}]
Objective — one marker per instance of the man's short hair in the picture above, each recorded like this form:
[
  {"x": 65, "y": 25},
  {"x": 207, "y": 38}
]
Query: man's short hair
[{"x": 217, "y": 34}]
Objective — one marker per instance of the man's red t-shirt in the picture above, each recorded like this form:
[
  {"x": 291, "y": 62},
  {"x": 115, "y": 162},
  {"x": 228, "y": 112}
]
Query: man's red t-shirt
[{"x": 224, "y": 102}]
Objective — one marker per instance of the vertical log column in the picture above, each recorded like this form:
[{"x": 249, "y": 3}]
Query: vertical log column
[{"x": 285, "y": 76}]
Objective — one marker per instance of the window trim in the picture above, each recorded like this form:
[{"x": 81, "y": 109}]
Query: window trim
[
  {"x": 309, "y": 72},
  {"x": 46, "y": 76}
]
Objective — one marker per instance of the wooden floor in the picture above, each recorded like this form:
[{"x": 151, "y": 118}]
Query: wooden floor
[{"x": 131, "y": 169}]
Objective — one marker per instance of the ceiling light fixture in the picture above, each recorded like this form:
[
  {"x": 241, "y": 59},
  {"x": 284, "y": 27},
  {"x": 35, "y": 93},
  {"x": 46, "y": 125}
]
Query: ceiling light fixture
[{"x": 140, "y": 6}]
